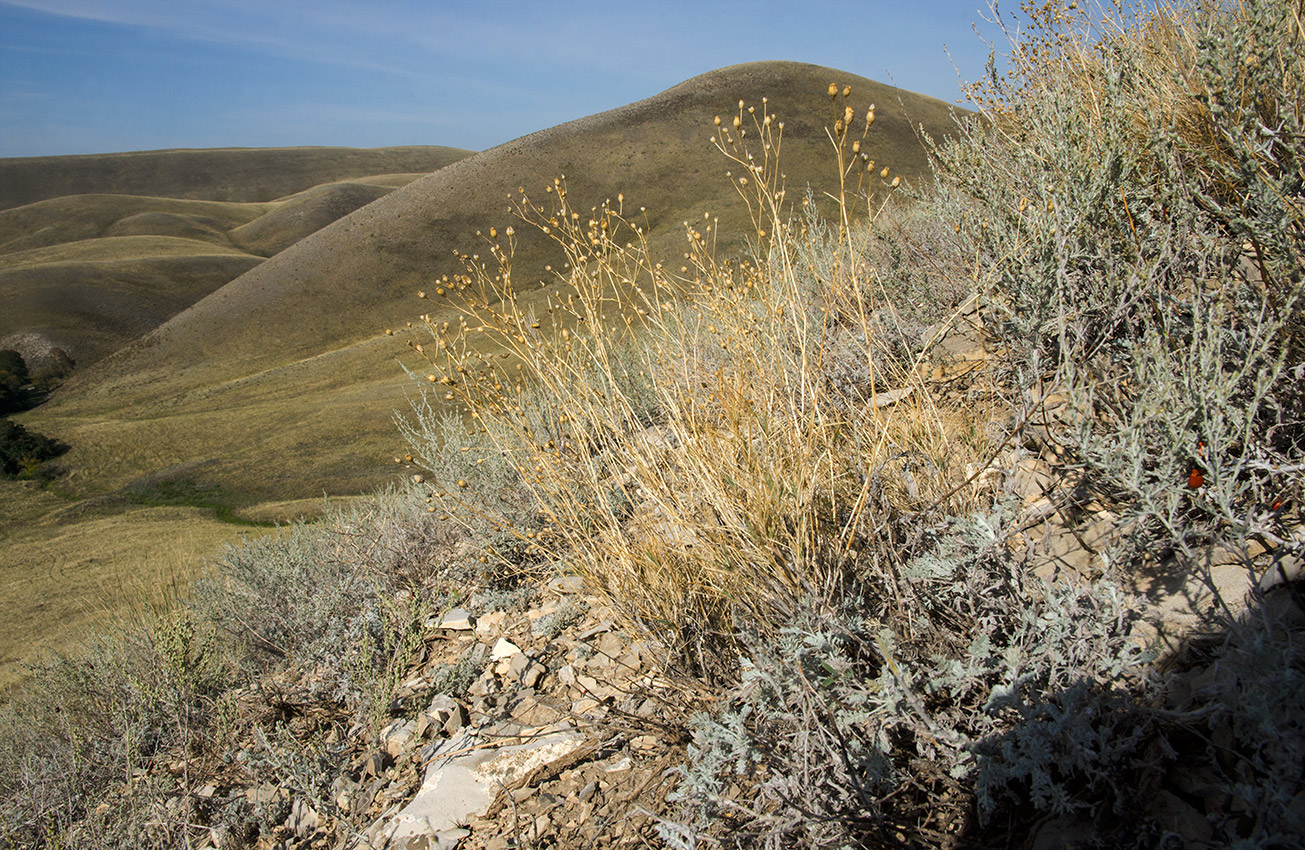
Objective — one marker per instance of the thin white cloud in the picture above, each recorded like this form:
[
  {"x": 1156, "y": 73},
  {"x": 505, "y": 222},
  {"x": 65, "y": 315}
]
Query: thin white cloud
[{"x": 307, "y": 32}]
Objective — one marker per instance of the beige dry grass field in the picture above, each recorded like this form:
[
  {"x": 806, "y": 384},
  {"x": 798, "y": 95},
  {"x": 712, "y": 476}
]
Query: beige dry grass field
[{"x": 66, "y": 566}]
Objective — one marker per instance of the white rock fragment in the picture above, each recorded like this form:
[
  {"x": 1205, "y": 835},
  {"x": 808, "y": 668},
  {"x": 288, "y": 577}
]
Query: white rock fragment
[
  {"x": 458, "y": 619},
  {"x": 503, "y": 649}
]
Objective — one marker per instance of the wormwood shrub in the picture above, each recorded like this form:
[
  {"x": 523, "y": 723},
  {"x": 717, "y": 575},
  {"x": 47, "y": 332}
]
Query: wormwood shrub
[
  {"x": 883, "y": 720},
  {"x": 345, "y": 597},
  {"x": 1134, "y": 211},
  {"x": 85, "y": 723},
  {"x": 103, "y": 747}
]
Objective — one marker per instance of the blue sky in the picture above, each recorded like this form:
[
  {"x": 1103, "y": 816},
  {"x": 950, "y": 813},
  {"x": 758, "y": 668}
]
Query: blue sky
[{"x": 91, "y": 76}]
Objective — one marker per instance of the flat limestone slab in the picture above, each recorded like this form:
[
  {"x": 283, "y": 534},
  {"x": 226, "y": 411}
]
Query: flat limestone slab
[{"x": 461, "y": 781}]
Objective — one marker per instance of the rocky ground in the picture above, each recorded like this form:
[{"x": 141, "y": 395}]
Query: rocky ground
[
  {"x": 562, "y": 742},
  {"x": 558, "y": 742}
]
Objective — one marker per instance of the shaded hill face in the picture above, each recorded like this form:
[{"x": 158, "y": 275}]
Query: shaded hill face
[
  {"x": 283, "y": 377},
  {"x": 88, "y": 273},
  {"x": 302, "y": 214},
  {"x": 91, "y": 297},
  {"x": 229, "y": 174}
]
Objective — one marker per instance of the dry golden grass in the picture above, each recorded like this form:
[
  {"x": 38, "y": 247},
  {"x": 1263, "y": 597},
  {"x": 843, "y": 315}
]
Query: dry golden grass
[
  {"x": 280, "y": 385},
  {"x": 301, "y": 328},
  {"x": 65, "y": 568},
  {"x": 687, "y": 432}
]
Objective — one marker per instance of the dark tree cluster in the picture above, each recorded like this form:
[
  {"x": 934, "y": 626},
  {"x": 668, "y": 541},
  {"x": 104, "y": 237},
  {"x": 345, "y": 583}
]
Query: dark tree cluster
[
  {"x": 21, "y": 451},
  {"x": 14, "y": 378}
]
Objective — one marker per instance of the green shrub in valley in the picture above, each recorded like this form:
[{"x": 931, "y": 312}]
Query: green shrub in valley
[
  {"x": 13, "y": 377},
  {"x": 22, "y": 451}
]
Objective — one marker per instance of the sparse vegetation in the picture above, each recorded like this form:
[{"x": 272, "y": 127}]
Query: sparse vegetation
[
  {"x": 802, "y": 476},
  {"x": 190, "y": 682}
]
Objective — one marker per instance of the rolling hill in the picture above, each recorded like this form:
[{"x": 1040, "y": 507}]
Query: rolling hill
[
  {"x": 219, "y": 174},
  {"x": 283, "y": 382},
  {"x": 90, "y": 272}
]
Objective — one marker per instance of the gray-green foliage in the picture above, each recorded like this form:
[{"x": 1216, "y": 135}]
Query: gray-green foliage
[
  {"x": 473, "y": 479},
  {"x": 347, "y": 595},
  {"x": 861, "y": 720},
  {"x": 85, "y": 721},
  {"x": 1139, "y": 236},
  {"x": 1254, "y": 702},
  {"x": 344, "y": 600},
  {"x": 477, "y": 466}
]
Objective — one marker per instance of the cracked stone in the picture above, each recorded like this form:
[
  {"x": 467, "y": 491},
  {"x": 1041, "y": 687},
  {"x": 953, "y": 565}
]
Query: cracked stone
[{"x": 458, "y": 619}]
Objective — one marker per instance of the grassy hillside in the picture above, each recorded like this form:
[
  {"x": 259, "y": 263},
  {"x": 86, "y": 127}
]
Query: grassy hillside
[
  {"x": 88, "y": 216},
  {"x": 233, "y": 174},
  {"x": 303, "y": 213},
  {"x": 970, "y": 524},
  {"x": 285, "y": 378},
  {"x": 92, "y": 297},
  {"x": 68, "y": 568},
  {"x": 88, "y": 273}
]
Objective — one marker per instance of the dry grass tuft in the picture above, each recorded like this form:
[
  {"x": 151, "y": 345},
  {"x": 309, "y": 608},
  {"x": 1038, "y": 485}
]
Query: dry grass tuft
[{"x": 708, "y": 443}]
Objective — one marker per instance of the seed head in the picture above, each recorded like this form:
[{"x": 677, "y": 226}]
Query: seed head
[
  {"x": 847, "y": 90},
  {"x": 884, "y": 173},
  {"x": 833, "y": 90}
]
